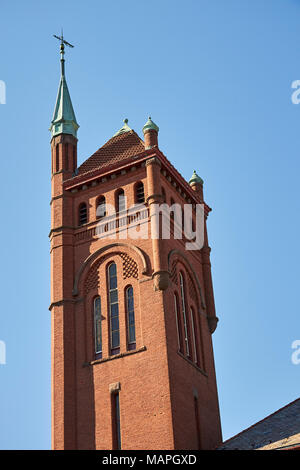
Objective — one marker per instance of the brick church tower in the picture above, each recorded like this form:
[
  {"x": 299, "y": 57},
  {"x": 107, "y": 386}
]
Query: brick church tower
[{"x": 132, "y": 316}]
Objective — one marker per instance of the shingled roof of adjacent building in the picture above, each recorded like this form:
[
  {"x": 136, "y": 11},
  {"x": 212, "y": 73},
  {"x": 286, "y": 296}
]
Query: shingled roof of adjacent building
[
  {"x": 280, "y": 430},
  {"x": 119, "y": 148}
]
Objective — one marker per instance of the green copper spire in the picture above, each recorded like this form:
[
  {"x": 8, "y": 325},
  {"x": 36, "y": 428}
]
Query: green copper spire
[
  {"x": 150, "y": 125},
  {"x": 123, "y": 129},
  {"x": 195, "y": 178},
  {"x": 64, "y": 120}
]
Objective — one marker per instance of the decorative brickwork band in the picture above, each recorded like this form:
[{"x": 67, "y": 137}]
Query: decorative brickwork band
[
  {"x": 173, "y": 273},
  {"x": 130, "y": 267},
  {"x": 92, "y": 280},
  {"x": 97, "y": 253}
]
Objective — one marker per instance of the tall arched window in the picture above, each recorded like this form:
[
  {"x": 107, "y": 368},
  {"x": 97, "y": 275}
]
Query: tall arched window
[
  {"x": 185, "y": 320},
  {"x": 194, "y": 336},
  {"x": 198, "y": 434},
  {"x": 130, "y": 318},
  {"x": 113, "y": 309},
  {"x": 101, "y": 207},
  {"x": 57, "y": 157},
  {"x": 82, "y": 216},
  {"x": 120, "y": 201},
  {"x": 116, "y": 423},
  {"x": 97, "y": 327},
  {"x": 178, "y": 323},
  {"x": 74, "y": 158},
  {"x": 66, "y": 157},
  {"x": 139, "y": 193}
]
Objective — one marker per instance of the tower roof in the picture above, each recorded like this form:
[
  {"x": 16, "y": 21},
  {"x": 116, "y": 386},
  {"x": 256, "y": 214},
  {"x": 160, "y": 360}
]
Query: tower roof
[
  {"x": 195, "y": 178},
  {"x": 125, "y": 144},
  {"x": 123, "y": 129},
  {"x": 64, "y": 120},
  {"x": 150, "y": 125}
]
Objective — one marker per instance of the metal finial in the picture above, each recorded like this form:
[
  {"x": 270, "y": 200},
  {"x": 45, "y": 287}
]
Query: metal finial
[{"x": 62, "y": 50}]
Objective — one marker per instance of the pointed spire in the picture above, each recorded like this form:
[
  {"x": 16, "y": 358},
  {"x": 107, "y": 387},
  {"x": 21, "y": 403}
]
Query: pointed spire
[{"x": 64, "y": 120}]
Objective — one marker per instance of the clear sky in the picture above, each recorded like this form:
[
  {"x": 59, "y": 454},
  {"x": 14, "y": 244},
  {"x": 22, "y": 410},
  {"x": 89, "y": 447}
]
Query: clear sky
[{"x": 216, "y": 77}]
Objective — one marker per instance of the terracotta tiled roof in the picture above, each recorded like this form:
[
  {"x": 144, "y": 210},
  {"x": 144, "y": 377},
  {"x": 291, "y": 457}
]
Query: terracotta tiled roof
[{"x": 119, "y": 148}]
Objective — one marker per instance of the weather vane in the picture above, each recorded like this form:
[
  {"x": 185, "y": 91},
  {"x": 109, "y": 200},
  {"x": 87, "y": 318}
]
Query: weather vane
[{"x": 62, "y": 49}]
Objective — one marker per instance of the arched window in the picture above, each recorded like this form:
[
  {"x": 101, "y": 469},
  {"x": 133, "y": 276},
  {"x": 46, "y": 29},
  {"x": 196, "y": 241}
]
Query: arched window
[
  {"x": 74, "y": 158},
  {"x": 185, "y": 320},
  {"x": 57, "y": 157},
  {"x": 193, "y": 225},
  {"x": 196, "y": 409},
  {"x": 113, "y": 309},
  {"x": 194, "y": 336},
  {"x": 97, "y": 327},
  {"x": 66, "y": 157},
  {"x": 101, "y": 207},
  {"x": 178, "y": 323},
  {"x": 130, "y": 318},
  {"x": 139, "y": 193},
  {"x": 163, "y": 192},
  {"x": 116, "y": 423},
  {"x": 120, "y": 201},
  {"x": 83, "y": 218}
]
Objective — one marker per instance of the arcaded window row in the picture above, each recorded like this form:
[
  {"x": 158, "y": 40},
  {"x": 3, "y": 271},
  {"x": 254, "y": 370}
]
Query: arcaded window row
[{"x": 120, "y": 203}]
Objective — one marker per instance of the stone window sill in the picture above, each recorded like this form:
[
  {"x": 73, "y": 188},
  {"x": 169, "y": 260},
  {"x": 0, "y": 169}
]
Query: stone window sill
[{"x": 116, "y": 356}]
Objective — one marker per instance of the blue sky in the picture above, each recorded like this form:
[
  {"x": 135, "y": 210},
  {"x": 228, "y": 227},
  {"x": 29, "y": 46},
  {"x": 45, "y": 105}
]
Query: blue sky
[{"x": 216, "y": 77}]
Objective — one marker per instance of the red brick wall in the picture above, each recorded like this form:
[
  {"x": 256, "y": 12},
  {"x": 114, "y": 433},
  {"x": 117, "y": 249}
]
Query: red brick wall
[{"x": 157, "y": 384}]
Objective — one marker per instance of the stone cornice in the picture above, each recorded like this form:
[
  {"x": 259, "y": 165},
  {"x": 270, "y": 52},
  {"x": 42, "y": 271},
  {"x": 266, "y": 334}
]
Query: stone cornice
[
  {"x": 60, "y": 229},
  {"x": 89, "y": 177}
]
